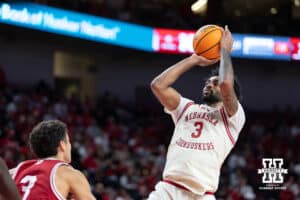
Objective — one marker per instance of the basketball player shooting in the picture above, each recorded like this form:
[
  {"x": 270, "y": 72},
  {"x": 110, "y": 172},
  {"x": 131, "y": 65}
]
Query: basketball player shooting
[
  {"x": 205, "y": 133},
  {"x": 50, "y": 177}
]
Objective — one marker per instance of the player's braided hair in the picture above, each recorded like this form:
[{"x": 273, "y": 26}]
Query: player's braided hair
[
  {"x": 236, "y": 85},
  {"x": 45, "y": 137}
]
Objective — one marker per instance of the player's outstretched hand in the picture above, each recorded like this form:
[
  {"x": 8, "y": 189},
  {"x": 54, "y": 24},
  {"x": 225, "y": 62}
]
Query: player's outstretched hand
[
  {"x": 201, "y": 61},
  {"x": 227, "y": 40}
]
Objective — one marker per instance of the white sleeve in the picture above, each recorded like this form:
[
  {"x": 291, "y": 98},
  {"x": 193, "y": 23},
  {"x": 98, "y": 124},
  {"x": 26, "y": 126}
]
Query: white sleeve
[
  {"x": 176, "y": 113},
  {"x": 238, "y": 119}
]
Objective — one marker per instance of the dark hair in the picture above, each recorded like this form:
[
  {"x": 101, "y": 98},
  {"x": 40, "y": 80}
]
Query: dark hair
[
  {"x": 236, "y": 84},
  {"x": 45, "y": 137}
]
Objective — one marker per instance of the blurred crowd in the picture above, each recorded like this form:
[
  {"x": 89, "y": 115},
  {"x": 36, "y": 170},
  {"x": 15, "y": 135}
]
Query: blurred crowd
[
  {"x": 157, "y": 13},
  {"x": 121, "y": 147}
]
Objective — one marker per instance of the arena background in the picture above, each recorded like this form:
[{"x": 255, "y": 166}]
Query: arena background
[{"x": 120, "y": 133}]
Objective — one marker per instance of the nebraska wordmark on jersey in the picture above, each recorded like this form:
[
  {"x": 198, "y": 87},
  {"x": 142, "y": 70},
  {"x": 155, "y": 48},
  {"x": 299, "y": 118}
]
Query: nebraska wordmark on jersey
[{"x": 202, "y": 139}]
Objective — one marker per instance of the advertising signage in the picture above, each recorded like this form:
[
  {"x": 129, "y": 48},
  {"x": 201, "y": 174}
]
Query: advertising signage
[
  {"x": 266, "y": 47},
  {"x": 98, "y": 29},
  {"x": 295, "y": 42},
  {"x": 75, "y": 24},
  {"x": 246, "y": 46},
  {"x": 173, "y": 41},
  {"x": 181, "y": 42}
]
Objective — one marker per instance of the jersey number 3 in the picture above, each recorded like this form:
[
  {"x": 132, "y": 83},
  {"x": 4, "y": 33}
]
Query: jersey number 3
[
  {"x": 28, "y": 182},
  {"x": 199, "y": 127}
]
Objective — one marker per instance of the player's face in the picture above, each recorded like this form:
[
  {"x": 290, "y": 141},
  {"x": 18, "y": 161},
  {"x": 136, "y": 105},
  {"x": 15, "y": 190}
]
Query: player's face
[
  {"x": 67, "y": 151},
  {"x": 211, "y": 92}
]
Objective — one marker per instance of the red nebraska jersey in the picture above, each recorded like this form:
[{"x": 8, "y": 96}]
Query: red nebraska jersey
[{"x": 35, "y": 179}]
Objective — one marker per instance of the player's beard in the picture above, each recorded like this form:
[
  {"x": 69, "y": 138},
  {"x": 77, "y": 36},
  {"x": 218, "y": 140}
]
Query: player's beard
[{"x": 211, "y": 99}]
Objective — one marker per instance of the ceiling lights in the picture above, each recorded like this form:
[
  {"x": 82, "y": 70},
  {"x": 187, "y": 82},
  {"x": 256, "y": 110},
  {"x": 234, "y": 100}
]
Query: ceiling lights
[{"x": 199, "y": 6}]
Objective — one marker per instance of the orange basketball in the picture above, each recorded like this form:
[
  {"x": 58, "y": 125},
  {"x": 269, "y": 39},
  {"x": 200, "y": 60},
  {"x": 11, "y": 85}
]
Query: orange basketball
[{"x": 206, "y": 41}]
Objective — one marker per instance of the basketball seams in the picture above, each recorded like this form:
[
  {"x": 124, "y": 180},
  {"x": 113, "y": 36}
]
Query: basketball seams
[
  {"x": 199, "y": 41},
  {"x": 211, "y": 47}
]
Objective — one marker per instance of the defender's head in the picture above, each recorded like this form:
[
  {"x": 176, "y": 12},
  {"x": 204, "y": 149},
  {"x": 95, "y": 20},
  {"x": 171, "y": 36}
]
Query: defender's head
[{"x": 50, "y": 138}]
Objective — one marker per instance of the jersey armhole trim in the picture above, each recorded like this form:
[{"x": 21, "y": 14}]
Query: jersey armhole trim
[
  {"x": 222, "y": 111},
  {"x": 52, "y": 181},
  {"x": 16, "y": 170},
  {"x": 184, "y": 109}
]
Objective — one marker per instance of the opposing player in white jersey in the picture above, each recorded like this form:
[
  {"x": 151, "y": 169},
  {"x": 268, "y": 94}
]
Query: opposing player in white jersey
[{"x": 204, "y": 134}]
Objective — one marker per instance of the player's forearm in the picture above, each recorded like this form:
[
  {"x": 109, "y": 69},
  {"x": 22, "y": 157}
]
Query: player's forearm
[
  {"x": 226, "y": 70},
  {"x": 170, "y": 75},
  {"x": 226, "y": 76}
]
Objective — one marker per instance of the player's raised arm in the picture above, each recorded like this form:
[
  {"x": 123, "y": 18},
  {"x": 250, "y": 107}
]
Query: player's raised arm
[
  {"x": 161, "y": 85},
  {"x": 226, "y": 74},
  {"x": 8, "y": 187},
  {"x": 79, "y": 187}
]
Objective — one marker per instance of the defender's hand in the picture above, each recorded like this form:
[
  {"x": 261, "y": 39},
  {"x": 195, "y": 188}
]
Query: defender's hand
[{"x": 201, "y": 61}]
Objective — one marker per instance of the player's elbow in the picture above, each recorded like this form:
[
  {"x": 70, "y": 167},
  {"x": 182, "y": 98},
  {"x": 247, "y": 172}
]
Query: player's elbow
[{"x": 156, "y": 85}]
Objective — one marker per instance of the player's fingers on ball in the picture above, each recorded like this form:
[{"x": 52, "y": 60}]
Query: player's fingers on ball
[
  {"x": 204, "y": 59},
  {"x": 222, "y": 29},
  {"x": 214, "y": 61}
]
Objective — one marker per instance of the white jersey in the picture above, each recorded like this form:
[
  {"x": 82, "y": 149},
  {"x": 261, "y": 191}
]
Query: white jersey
[{"x": 202, "y": 139}]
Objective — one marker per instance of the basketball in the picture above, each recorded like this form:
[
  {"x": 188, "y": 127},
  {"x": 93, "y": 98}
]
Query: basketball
[{"x": 206, "y": 41}]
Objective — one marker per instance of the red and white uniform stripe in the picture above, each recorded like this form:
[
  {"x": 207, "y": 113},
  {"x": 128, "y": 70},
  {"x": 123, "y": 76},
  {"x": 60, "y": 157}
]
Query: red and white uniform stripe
[
  {"x": 35, "y": 179},
  {"x": 202, "y": 139}
]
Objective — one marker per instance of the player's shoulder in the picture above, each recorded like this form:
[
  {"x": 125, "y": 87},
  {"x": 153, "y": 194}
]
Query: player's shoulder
[
  {"x": 187, "y": 103},
  {"x": 26, "y": 163},
  {"x": 68, "y": 171},
  {"x": 64, "y": 167},
  {"x": 39, "y": 162},
  {"x": 240, "y": 110},
  {"x": 21, "y": 167}
]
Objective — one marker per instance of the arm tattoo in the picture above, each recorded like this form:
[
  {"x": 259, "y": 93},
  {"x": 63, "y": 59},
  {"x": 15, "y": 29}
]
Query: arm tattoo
[
  {"x": 226, "y": 74},
  {"x": 226, "y": 69}
]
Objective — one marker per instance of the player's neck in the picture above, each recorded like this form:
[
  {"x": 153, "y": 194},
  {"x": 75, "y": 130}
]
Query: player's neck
[
  {"x": 58, "y": 156},
  {"x": 215, "y": 105}
]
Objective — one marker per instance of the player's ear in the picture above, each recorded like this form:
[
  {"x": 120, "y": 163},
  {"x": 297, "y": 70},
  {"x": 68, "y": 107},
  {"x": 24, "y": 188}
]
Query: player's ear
[{"x": 62, "y": 145}]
